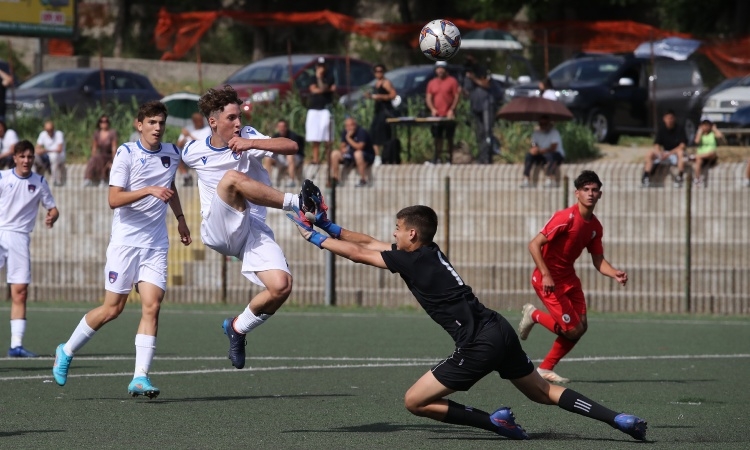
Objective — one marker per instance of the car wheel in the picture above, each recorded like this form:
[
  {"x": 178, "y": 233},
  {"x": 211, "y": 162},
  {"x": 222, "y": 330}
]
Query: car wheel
[
  {"x": 600, "y": 125},
  {"x": 690, "y": 129}
]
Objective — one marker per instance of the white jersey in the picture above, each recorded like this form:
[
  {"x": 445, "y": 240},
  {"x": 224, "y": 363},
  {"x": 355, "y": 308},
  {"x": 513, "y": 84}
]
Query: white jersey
[
  {"x": 20, "y": 198},
  {"x": 142, "y": 223},
  {"x": 51, "y": 143},
  {"x": 211, "y": 163}
]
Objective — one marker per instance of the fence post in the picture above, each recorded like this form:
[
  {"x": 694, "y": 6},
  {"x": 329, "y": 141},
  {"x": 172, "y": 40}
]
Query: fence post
[
  {"x": 688, "y": 232},
  {"x": 330, "y": 285},
  {"x": 447, "y": 215},
  {"x": 565, "y": 190}
]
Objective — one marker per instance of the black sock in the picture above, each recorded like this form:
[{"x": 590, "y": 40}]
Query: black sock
[
  {"x": 466, "y": 415},
  {"x": 574, "y": 402}
]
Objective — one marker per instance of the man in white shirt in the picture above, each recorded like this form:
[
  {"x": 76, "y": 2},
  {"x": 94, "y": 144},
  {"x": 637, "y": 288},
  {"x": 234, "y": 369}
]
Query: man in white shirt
[
  {"x": 546, "y": 149},
  {"x": 21, "y": 192},
  {"x": 8, "y": 139},
  {"x": 141, "y": 185},
  {"x": 234, "y": 192},
  {"x": 50, "y": 146},
  {"x": 197, "y": 131}
]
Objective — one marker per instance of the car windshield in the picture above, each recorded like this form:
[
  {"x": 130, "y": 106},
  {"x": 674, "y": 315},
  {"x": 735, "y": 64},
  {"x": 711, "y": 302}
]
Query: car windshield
[
  {"x": 55, "y": 80},
  {"x": 587, "y": 70},
  {"x": 264, "y": 74}
]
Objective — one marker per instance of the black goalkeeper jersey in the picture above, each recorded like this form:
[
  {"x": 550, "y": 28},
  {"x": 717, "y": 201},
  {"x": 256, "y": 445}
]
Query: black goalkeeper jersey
[{"x": 440, "y": 290}]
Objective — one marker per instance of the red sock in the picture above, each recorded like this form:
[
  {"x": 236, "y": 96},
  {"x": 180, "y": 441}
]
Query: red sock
[
  {"x": 544, "y": 320},
  {"x": 560, "y": 348}
]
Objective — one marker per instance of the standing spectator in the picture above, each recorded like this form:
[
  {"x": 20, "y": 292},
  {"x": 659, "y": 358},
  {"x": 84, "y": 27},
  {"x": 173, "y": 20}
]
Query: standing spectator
[
  {"x": 356, "y": 149},
  {"x": 50, "y": 147},
  {"x": 554, "y": 251},
  {"x": 382, "y": 95},
  {"x": 546, "y": 149},
  {"x": 21, "y": 192},
  {"x": 478, "y": 84},
  {"x": 103, "y": 148},
  {"x": 442, "y": 97},
  {"x": 318, "y": 125},
  {"x": 705, "y": 154},
  {"x": 196, "y": 131},
  {"x": 8, "y": 139},
  {"x": 669, "y": 148},
  {"x": 290, "y": 163},
  {"x": 5, "y": 81}
]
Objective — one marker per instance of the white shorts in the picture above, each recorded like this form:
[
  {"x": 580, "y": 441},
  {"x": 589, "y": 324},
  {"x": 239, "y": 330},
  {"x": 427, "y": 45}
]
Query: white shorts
[
  {"x": 14, "y": 250},
  {"x": 244, "y": 236},
  {"x": 671, "y": 159},
  {"x": 318, "y": 126},
  {"x": 129, "y": 265}
]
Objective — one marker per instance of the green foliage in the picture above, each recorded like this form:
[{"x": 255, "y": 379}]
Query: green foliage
[{"x": 21, "y": 72}]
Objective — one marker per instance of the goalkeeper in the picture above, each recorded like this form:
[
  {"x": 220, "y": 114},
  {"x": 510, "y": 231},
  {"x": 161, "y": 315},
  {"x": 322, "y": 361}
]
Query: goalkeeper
[{"x": 485, "y": 341}]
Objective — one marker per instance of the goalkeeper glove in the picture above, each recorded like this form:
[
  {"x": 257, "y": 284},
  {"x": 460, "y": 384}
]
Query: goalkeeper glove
[{"x": 305, "y": 228}]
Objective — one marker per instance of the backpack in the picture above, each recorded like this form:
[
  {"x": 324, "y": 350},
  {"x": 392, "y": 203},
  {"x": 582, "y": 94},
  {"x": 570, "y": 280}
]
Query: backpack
[{"x": 391, "y": 152}]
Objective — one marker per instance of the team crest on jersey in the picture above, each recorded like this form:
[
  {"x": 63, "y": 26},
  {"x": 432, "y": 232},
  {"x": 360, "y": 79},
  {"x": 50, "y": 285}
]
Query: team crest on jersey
[
  {"x": 236, "y": 156},
  {"x": 166, "y": 161},
  {"x": 112, "y": 276},
  {"x": 143, "y": 160},
  {"x": 204, "y": 159},
  {"x": 32, "y": 188}
]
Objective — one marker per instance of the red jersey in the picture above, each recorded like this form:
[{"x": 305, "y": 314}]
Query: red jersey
[
  {"x": 568, "y": 234},
  {"x": 443, "y": 93}
]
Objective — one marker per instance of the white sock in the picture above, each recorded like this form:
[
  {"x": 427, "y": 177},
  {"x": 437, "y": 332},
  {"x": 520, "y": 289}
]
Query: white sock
[
  {"x": 145, "y": 346},
  {"x": 79, "y": 338},
  {"x": 17, "y": 329},
  {"x": 290, "y": 201},
  {"x": 247, "y": 321}
]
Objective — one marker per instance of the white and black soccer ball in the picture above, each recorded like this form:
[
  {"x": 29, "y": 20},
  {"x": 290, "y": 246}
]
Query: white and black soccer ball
[{"x": 440, "y": 40}]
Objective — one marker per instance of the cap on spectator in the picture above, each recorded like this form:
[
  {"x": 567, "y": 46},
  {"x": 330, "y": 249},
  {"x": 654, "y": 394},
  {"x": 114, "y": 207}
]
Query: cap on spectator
[
  {"x": 441, "y": 64},
  {"x": 321, "y": 60}
]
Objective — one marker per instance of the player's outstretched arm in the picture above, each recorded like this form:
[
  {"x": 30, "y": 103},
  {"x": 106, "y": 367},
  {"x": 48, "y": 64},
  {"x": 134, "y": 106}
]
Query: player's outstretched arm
[
  {"x": 119, "y": 197},
  {"x": 280, "y": 145},
  {"x": 364, "y": 241},
  {"x": 182, "y": 227},
  {"x": 605, "y": 268}
]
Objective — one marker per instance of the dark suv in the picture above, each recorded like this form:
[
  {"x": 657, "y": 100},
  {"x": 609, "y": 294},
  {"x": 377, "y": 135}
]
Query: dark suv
[{"x": 615, "y": 94}]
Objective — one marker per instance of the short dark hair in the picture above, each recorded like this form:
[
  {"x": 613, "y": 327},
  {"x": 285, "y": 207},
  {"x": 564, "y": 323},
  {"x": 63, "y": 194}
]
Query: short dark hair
[
  {"x": 3, "y": 125},
  {"x": 286, "y": 122},
  {"x": 669, "y": 111},
  {"x": 214, "y": 100},
  {"x": 423, "y": 219},
  {"x": 379, "y": 66},
  {"x": 22, "y": 146},
  {"x": 151, "y": 109},
  {"x": 587, "y": 177}
]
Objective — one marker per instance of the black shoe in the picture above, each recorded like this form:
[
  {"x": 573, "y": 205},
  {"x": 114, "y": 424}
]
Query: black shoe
[{"x": 237, "y": 343}]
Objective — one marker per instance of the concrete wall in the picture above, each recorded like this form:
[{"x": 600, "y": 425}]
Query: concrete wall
[{"x": 485, "y": 233}]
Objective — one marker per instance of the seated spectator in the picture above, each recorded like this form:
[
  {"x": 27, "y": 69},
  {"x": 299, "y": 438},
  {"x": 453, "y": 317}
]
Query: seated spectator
[
  {"x": 196, "y": 131},
  {"x": 356, "y": 149},
  {"x": 706, "y": 138},
  {"x": 546, "y": 149},
  {"x": 547, "y": 90},
  {"x": 50, "y": 153},
  {"x": 669, "y": 148},
  {"x": 287, "y": 162},
  {"x": 8, "y": 139},
  {"x": 103, "y": 148}
]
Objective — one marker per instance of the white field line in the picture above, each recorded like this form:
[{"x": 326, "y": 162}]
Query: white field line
[{"x": 376, "y": 363}]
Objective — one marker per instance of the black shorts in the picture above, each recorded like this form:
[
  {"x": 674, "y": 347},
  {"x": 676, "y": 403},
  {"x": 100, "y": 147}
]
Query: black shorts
[
  {"x": 496, "y": 347},
  {"x": 443, "y": 130}
]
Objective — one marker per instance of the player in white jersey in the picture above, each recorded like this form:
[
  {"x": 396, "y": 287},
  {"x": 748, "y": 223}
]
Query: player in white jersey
[
  {"x": 21, "y": 192},
  {"x": 234, "y": 192},
  {"x": 141, "y": 185}
]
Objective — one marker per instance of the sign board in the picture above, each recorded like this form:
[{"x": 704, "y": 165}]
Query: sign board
[{"x": 38, "y": 18}]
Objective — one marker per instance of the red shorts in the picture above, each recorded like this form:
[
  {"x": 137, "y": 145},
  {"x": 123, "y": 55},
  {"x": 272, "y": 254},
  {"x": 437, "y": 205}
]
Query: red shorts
[{"x": 566, "y": 304}]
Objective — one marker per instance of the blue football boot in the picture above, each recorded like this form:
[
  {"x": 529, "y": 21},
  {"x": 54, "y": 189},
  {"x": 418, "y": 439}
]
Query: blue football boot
[
  {"x": 142, "y": 386},
  {"x": 237, "y": 343},
  {"x": 632, "y": 425},
  {"x": 62, "y": 363},
  {"x": 506, "y": 424},
  {"x": 20, "y": 352}
]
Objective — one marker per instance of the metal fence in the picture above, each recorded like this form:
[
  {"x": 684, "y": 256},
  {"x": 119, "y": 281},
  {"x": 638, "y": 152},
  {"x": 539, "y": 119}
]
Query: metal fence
[{"x": 685, "y": 249}]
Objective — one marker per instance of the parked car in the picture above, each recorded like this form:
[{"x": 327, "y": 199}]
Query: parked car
[
  {"x": 720, "y": 106},
  {"x": 614, "y": 93},
  {"x": 271, "y": 78},
  {"x": 77, "y": 90},
  {"x": 740, "y": 121}
]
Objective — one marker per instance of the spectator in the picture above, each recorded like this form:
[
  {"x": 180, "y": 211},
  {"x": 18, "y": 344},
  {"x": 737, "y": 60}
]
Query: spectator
[
  {"x": 441, "y": 98},
  {"x": 547, "y": 90},
  {"x": 103, "y": 148},
  {"x": 288, "y": 162},
  {"x": 5, "y": 81},
  {"x": 196, "y": 131},
  {"x": 747, "y": 175},
  {"x": 319, "y": 123},
  {"x": 706, "y": 138},
  {"x": 478, "y": 84},
  {"x": 135, "y": 135},
  {"x": 669, "y": 147},
  {"x": 356, "y": 149},
  {"x": 8, "y": 139},
  {"x": 50, "y": 147},
  {"x": 546, "y": 148},
  {"x": 382, "y": 95}
]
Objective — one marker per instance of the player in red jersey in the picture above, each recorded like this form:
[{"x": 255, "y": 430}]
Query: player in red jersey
[{"x": 555, "y": 249}]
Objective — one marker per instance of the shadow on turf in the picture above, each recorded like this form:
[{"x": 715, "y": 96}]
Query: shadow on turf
[
  {"x": 228, "y": 398},
  {"x": 25, "y": 432},
  {"x": 383, "y": 427},
  {"x": 646, "y": 381}
]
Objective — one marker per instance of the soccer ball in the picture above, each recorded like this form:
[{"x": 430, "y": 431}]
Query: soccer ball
[{"x": 440, "y": 40}]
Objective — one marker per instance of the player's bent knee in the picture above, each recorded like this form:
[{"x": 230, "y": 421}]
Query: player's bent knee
[{"x": 413, "y": 404}]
